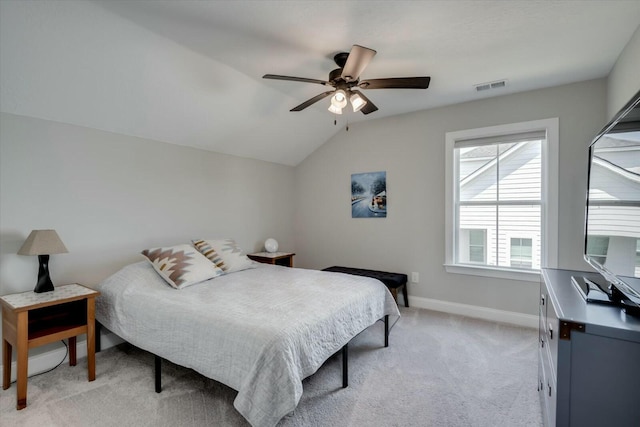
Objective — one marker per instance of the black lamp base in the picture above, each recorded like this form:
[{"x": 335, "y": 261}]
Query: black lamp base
[{"x": 44, "y": 280}]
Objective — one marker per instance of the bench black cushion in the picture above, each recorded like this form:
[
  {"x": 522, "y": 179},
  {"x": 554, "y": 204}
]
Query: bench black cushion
[{"x": 394, "y": 281}]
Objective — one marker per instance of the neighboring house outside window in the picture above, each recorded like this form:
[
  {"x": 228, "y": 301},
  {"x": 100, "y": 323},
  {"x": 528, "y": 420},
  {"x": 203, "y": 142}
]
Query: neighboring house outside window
[
  {"x": 598, "y": 247},
  {"x": 475, "y": 241},
  {"x": 521, "y": 253},
  {"x": 502, "y": 200}
]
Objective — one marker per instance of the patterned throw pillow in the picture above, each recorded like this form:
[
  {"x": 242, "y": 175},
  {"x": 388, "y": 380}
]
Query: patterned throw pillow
[
  {"x": 181, "y": 265},
  {"x": 224, "y": 253},
  {"x": 205, "y": 249}
]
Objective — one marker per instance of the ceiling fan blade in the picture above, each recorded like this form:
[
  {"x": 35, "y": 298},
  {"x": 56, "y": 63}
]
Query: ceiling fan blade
[
  {"x": 311, "y": 101},
  {"x": 396, "y": 83},
  {"x": 369, "y": 106},
  {"x": 295, "y": 79},
  {"x": 357, "y": 61}
]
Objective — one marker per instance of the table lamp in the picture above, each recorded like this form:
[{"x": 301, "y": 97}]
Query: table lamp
[
  {"x": 271, "y": 245},
  {"x": 43, "y": 243}
]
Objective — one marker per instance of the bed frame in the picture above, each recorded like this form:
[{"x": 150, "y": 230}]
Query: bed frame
[{"x": 158, "y": 359}]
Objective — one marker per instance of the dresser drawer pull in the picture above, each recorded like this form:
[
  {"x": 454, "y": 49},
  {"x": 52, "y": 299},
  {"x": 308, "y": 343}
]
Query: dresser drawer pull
[
  {"x": 550, "y": 331},
  {"x": 549, "y": 389},
  {"x": 542, "y": 299},
  {"x": 542, "y": 342}
]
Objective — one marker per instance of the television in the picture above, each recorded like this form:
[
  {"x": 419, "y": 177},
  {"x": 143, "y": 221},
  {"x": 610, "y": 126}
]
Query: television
[{"x": 612, "y": 226}]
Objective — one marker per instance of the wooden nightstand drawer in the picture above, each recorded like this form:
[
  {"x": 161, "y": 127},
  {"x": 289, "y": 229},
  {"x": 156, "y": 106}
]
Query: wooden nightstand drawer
[{"x": 275, "y": 258}]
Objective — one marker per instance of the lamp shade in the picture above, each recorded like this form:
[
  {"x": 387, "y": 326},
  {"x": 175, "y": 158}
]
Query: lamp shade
[
  {"x": 271, "y": 245},
  {"x": 43, "y": 242},
  {"x": 334, "y": 109},
  {"x": 339, "y": 99},
  {"x": 357, "y": 102}
]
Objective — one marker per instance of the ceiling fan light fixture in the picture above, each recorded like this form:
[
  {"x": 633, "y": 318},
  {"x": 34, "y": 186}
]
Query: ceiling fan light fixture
[
  {"x": 339, "y": 99},
  {"x": 334, "y": 109},
  {"x": 357, "y": 102}
]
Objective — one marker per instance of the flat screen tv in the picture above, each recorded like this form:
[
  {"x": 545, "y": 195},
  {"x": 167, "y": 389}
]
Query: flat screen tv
[{"x": 612, "y": 231}]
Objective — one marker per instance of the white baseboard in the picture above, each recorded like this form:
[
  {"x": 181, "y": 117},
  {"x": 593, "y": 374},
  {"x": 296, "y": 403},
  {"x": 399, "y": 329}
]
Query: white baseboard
[
  {"x": 513, "y": 318},
  {"x": 45, "y": 361}
]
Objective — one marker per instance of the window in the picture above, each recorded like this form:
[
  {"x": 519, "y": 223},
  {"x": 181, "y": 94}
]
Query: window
[
  {"x": 476, "y": 245},
  {"x": 597, "y": 248},
  {"x": 475, "y": 241},
  {"x": 521, "y": 253},
  {"x": 502, "y": 200}
]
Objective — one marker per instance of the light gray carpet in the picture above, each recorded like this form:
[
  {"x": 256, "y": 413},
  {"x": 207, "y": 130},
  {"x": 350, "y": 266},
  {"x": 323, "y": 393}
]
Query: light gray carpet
[{"x": 439, "y": 370}]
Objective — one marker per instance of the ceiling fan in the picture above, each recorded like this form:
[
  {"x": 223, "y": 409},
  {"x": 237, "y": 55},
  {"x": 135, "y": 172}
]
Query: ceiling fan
[{"x": 346, "y": 80}]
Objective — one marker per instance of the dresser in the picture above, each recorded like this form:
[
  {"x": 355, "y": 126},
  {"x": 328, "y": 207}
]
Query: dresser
[{"x": 588, "y": 357}]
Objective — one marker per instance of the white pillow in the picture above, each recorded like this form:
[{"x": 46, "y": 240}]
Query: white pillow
[
  {"x": 224, "y": 253},
  {"x": 181, "y": 265}
]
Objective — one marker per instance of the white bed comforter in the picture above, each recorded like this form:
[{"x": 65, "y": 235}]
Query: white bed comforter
[{"x": 260, "y": 331}]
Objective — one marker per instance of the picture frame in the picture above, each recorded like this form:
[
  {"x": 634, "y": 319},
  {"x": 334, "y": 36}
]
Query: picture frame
[{"x": 369, "y": 195}]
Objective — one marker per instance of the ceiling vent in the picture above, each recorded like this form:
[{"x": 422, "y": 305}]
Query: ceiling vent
[{"x": 490, "y": 85}]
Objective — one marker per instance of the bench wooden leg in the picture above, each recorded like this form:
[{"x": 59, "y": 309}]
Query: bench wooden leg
[
  {"x": 394, "y": 292},
  {"x": 405, "y": 294}
]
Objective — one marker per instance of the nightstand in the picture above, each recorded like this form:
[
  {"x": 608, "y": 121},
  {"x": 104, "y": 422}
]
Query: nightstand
[
  {"x": 32, "y": 319},
  {"x": 276, "y": 258}
]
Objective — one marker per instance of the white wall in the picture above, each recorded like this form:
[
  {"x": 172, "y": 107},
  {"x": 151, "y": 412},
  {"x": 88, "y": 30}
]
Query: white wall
[
  {"x": 109, "y": 196},
  {"x": 624, "y": 80},
  {"x": 411, "y": 149}
]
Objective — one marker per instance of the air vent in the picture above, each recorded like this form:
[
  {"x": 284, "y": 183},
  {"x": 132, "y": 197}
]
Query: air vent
[{"x": 490, "y": 85}]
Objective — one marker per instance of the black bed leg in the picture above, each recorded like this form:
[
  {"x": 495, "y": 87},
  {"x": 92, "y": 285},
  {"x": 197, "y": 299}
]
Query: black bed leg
[
  {"x": 98, "y": 339},
  {"x": 345, "y": 366},
  {"x": 386, "y": 330},
  {"x": 158, "y": 369}
]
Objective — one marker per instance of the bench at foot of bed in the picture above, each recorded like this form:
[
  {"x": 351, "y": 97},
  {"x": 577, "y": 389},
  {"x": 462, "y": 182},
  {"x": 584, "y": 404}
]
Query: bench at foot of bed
[{"x": 394, "y": 281}]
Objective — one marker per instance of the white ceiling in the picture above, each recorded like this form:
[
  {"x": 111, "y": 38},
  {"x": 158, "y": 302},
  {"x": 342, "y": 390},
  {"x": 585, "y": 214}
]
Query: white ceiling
[{"x": 189, "y": 72}]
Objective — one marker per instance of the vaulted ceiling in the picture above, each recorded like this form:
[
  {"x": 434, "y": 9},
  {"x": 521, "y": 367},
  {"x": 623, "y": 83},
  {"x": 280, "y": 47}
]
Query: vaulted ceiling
[{"x": 190, "y": 72}]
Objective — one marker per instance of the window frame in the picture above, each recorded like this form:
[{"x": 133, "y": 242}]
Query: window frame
[{"x": 549, "y": 199}]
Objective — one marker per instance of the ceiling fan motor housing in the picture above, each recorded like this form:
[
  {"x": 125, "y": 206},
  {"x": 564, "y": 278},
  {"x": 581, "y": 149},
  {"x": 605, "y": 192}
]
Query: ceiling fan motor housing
[{"x": 334, "y": 75}]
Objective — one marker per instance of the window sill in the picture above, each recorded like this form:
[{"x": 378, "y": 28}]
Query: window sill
[{"x": 499, "y": 273}]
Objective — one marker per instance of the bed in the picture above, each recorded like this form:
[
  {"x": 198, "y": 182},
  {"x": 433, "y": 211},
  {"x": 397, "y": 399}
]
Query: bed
[{"x": 260, "y": 331}]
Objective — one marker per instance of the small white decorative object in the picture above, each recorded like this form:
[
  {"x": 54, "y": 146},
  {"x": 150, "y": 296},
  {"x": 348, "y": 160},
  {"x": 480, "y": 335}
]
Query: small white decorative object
[{"x": 271, "y": 245}]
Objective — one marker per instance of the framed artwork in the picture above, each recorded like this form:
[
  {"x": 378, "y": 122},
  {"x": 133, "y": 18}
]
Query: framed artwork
[{"x": 369, "y": 195}]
